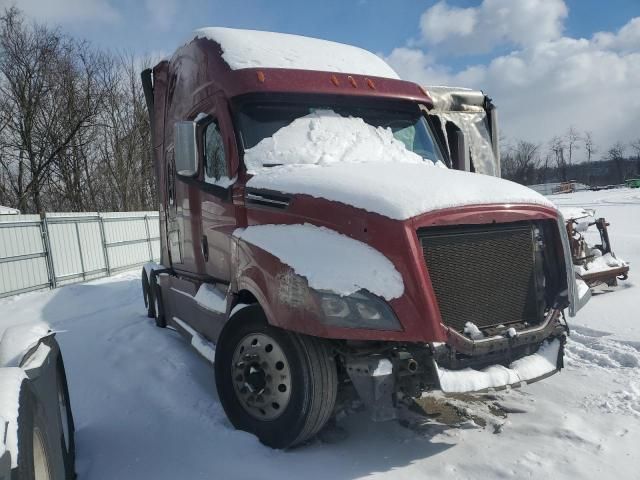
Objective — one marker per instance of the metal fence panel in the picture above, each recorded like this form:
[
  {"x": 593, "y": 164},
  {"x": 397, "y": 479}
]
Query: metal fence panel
[
  {"x": 62, "y": 248},
  {"x": 23, "y": 264}
]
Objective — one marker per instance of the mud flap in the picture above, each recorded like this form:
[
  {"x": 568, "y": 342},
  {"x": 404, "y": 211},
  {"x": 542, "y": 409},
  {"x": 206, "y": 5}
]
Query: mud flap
[{"x": 374, "y": 381}]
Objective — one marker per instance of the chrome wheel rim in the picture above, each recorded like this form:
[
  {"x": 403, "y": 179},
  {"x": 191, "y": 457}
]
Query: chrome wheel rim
[
  {"x": 261, "y": 376},
  {"x": 40, "y": 461}
]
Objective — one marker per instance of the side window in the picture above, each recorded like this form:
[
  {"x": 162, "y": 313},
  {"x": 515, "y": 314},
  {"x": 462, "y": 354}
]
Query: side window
[{"x": 215, "y": 162}]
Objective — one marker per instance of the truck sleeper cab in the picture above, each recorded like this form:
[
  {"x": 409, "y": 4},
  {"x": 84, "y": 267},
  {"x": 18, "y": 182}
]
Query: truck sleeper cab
[{"x": 351, "y": 261}]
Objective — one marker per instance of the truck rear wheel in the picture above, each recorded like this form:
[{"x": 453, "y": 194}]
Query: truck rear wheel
[
  {"x": 66, "y": 418},
  {"x": 147, "y": 295},
  {"x": 35, "y": 447},
  {"x": 278, "y": 385}
]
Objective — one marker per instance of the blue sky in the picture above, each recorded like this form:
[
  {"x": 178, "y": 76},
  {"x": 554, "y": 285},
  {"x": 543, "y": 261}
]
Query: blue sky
[
  {"x": 543, "y": 61},
  {"x": 377, "y": 25}
]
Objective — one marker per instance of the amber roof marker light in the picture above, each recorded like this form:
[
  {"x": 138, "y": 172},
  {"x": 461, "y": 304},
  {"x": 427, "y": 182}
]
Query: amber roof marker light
[
  {"x": 335, "y": 80},
  {"x": 352, "y": 81},
  {"x": 260, "y": 76},
  {"x": 370, "y": 83}
]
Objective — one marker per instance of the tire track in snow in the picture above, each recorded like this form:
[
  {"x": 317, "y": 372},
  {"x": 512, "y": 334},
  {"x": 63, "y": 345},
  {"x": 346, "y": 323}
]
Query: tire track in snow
[{"x": 588, "y": 349}]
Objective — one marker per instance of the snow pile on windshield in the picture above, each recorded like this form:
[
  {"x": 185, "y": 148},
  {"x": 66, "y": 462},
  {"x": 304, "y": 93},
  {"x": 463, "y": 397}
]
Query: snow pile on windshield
[
  {"x": 347, "y": 160},
  {"x": 325, "y": 137},
  {"x": 338, "y": 263},
  {"x": 256, "y": 49},
  {"x": 496, "y": 376}
]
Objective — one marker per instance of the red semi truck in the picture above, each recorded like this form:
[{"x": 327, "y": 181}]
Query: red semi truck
[{"x": 318, "y": 242}]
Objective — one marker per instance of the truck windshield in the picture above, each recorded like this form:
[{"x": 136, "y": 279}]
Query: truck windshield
[{"x": 261, "y": 120}]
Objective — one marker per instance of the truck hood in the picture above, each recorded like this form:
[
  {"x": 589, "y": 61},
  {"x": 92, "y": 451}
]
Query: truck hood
[{"x": 396, "y": 190}]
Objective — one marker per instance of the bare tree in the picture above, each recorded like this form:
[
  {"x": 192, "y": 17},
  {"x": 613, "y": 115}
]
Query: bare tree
[
  {"x": 635, "y": 146},
  {"x": 519, "y": 163},
  {"x": 125, "y": 141},
  {"x": 557, "y": 148},
  {"x": 590, "y": 148},
  {"x": 615, "y": 154},
  {"x": 38, "y": 67},
  {"x": 572, "y": 142}
]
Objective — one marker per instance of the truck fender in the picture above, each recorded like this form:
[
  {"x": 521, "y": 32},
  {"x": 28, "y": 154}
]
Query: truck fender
[
  {"x": 18, "y": 340},
  {"x": 248, "y": 285}
]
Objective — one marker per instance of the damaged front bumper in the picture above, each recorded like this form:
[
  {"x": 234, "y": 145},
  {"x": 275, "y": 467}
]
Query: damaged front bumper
[{"x": 503, "y": 361}]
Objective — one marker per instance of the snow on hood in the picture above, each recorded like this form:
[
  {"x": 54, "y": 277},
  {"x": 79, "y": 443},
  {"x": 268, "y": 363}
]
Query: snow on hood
[
  {"x": 256, "y": 49},
  {"x": 339, "y": 263},
  {"x": 347, "y": 160},
  {"x": 395, "y": 190}
]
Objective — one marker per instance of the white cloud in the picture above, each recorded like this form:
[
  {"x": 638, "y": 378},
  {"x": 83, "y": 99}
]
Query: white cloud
[
  {"x": 547, "y": 85},
  {"x": 162, "y": 12},
  {"x": 65, "y": 11},
  {"x": 626, "y": 40},
  {"x": 492, "y": 23}
]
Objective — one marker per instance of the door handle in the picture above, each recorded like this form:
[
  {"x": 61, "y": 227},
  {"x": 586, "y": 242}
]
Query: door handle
[{"x": 204, "y": 245}]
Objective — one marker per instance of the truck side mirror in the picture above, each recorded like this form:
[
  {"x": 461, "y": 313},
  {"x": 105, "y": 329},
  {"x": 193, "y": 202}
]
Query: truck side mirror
[
  {"x": 458, "y": 149},
  {"x": 185, "y": 149}
]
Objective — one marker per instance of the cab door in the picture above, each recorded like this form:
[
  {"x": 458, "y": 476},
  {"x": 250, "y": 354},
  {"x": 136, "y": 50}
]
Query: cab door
[{"x": 219, "y": 173}]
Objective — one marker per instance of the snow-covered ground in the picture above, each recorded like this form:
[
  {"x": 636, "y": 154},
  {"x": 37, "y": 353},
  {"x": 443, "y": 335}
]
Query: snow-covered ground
[{"x": 146, "y": 407}]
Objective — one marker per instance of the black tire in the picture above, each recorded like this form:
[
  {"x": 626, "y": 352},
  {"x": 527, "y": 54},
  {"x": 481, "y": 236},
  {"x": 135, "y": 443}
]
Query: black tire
[
  {"x": 161, "y": 320},
  {"x": 67, "y": 440},
  {"x": 313, "y": 382},
  {"x": 32, "y": 454},
  {"x": 146, "y": 295}
]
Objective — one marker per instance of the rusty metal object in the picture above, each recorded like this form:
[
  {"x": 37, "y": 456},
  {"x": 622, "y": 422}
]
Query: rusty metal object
[{"x": 581, "y": 253}]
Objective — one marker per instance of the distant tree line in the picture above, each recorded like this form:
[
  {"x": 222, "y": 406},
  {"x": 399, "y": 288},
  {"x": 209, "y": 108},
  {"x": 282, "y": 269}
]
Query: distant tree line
[
  {"x": 557, "y": 160},
  {"x": 74, "y": 130}
]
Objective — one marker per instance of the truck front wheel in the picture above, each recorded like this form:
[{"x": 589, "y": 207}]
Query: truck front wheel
[{"x": 278, "y": 385}]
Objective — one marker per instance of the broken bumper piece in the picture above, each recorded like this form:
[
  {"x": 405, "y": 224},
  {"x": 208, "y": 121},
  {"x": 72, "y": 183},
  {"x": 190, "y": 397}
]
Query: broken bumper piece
[{"x": 531, "y": 368}]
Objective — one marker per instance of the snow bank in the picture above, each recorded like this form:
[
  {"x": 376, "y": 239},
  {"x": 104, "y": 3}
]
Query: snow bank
[
  {"x": 338, "y": 263},
  {"x": 209, "y": 297},
  {"x": 257, "y": 49},
  {"x": 325, "y": 138},
  {"x": 10, "y": 380},
  {"x": 496, "y": 376}
]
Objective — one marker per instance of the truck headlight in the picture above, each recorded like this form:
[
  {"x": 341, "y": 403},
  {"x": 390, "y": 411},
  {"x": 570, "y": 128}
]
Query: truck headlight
[{"x": 358, "y": 310}]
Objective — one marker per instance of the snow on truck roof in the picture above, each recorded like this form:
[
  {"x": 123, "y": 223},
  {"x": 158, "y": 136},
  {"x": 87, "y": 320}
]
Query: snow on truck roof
[{"x": 258, "y": 49}]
